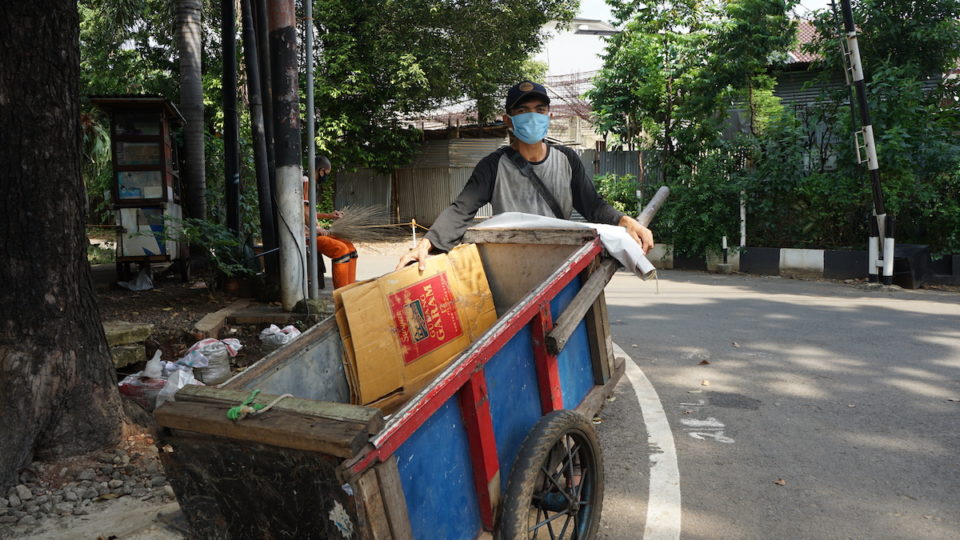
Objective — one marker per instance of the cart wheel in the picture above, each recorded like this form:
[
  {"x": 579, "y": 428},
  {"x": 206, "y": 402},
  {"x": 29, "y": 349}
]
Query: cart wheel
[{"x": 556, "y": 486}]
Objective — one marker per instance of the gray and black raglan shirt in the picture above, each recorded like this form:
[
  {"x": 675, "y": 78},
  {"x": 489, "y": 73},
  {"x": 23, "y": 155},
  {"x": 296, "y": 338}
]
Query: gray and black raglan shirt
[{"x": 496, "y": 180}]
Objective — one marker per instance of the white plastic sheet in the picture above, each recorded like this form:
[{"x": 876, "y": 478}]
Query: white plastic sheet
[{"x": 616, "y": 240}]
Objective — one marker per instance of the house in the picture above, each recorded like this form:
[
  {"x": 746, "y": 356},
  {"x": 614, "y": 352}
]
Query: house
[{"x": 425, "y": 187}]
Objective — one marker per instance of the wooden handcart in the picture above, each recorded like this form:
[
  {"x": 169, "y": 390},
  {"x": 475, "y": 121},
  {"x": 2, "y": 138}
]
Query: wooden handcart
[{"x": 501, "y": 442}]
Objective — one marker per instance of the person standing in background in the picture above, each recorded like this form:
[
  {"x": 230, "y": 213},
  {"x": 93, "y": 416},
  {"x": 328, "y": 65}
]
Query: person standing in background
[{"x": 342, "y": 253}]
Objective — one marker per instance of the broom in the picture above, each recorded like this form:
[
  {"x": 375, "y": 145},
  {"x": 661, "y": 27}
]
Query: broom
[{"x": 363, "y": 224}]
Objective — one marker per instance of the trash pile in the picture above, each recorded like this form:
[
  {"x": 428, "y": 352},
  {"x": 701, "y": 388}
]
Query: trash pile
[
  {"x": 273, "y": 337},
  {"x": 207, "y": 362}
]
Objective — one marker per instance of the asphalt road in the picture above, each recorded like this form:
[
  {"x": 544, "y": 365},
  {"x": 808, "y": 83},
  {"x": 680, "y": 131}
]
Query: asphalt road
[{"x": 797, "y": 409}]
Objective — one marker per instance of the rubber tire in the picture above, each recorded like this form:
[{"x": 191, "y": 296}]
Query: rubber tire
[{"x": 525, "y": 474}]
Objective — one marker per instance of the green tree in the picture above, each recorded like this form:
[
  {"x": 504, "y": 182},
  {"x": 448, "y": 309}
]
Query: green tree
[
  {"x": 666, "y": 84},
  {"x": 189, "y": 47},
  {"x": 806, "y": 178},
  {"x": 381, "y": 62}
]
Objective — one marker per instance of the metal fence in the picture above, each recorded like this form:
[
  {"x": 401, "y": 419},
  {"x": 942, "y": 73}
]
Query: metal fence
[{"x": 639, "y": 164}]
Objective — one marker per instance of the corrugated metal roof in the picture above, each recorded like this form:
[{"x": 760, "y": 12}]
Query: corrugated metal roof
[
  {"x": 365, "y": 187},
  {"x": 423, "y": 193},
  {"x": 792, "y": 91},
  {"x": 469, "y": 152},
  {"x": 431, "y": 154}
]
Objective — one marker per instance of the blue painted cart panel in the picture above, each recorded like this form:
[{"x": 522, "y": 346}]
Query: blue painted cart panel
[
  {"x": 437, "y": 478},
  {"x": 434, "y": 463},
  {"x": 512, "y": 383},
  {"x": 576, "y": 367},
  {"x": 514, "y": 398}
]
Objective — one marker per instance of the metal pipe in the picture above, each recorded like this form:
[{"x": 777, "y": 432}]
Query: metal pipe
[
  {"x": 653, "y": 206},
  {"x": 231, "y": 132},
  {"x": 257, "y": 128},
  {"x": 311, "y": 152}
]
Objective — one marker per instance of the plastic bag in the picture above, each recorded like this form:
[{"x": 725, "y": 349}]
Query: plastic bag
[
  {"x": 218, "y": 354},
  {"x": 142, "y": 282},
  {"x": 143, "y": 390},
  {"x": 272, "y": 337},
  {"x": 177, "y": 380},
  {"x": 154, "y": 367}
]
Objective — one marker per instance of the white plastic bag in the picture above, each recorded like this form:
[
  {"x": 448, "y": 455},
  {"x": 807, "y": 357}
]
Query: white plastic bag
[
  {"x": 273, "y": 337},
  {"x": 177, "y": 380},
  {"x": 218, "y": 354},
  {"x": 154, "y": 367},
  {"x": 142, "y": 282}
]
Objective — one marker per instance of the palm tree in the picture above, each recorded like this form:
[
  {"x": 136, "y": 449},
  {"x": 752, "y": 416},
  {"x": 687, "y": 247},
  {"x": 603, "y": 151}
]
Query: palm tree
[{"x": 191, "y": 105}]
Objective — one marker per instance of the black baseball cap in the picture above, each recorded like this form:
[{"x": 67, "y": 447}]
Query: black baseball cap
[{"x": 522, "y": 90}]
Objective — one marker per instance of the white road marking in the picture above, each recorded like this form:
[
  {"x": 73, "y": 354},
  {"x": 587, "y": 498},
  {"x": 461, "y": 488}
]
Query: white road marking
[
  {"x": 710, "y": 422},
  {"x": 711, "y": 428},
  {"x": 663, "y": 501}
]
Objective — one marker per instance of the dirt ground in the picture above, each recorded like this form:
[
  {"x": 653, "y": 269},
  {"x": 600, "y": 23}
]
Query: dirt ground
[{"x": 173, "y": 307}]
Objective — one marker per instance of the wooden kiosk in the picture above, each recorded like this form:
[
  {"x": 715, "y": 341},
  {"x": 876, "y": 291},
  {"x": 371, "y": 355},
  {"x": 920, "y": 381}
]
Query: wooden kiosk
[{"x": 145, "y": 191}]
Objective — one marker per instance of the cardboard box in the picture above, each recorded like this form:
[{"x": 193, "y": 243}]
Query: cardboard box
[{"x": 400, "y": 330}]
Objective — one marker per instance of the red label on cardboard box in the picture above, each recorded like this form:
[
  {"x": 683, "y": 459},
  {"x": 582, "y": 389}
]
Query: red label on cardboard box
[{"x": 425, "y": 315}]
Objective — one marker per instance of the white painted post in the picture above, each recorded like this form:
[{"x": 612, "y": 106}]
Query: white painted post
[{"x": 743, "y": 220}]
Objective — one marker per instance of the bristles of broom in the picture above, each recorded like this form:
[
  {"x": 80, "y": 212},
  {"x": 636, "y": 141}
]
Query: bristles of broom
[{"x": 363, "y": 224}]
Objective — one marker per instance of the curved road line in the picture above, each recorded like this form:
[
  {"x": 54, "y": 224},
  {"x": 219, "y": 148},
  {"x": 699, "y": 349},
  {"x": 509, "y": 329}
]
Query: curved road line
[{"x": 663, "y": 501}]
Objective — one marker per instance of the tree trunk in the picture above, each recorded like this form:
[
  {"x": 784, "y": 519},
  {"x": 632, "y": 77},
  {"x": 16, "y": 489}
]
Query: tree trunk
[
  {"x": 191, "y": 106},
  {"x": 58, "y": 383}
]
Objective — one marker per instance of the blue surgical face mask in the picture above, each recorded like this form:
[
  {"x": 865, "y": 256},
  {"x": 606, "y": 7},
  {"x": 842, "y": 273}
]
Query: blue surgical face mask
[{"x": 530, "y": 127}]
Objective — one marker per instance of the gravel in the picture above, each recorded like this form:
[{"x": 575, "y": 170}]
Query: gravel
[
  {"x": 79, "y": 489},
  {"x": 23, "y": 492}
]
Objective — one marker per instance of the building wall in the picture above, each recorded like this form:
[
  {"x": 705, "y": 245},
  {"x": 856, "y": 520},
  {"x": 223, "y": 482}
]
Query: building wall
[{"x": 365, "y": 187}]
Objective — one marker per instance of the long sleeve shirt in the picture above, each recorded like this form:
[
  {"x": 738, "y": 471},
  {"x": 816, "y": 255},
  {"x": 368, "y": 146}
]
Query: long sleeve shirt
[{"x": 498, "y": 181}]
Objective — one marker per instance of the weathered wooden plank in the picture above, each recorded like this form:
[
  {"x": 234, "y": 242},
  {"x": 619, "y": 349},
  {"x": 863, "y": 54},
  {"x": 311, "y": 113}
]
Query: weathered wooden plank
[
  {"x": 548, "y": 370},
  {"x": 235, "y": 490},
  {"x": 568, "y": 320},
  {"x": 375, "y": 515},
  {"x": 370, "y": 418},
  {"x": 530, "y": 236},
  {"x": 275, "y": 428},
  {"x": 598, "y": 332},
  {"x": 597, "y": 397},
  {"x": 478, "y": 423},
  {"x": 394, "y": 501},
  {"x": 211, "y": 323}
]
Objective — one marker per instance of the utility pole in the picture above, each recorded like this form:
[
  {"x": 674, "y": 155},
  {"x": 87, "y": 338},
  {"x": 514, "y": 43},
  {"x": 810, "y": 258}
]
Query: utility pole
[
  {"x": 257, "y": 128},
  {"x": 231, "y": 131},
  {"x": 881, "y": 241},
  {"x": 286, "y": 133}
]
